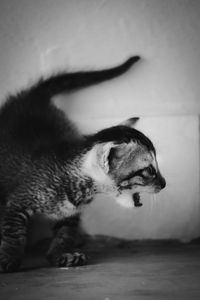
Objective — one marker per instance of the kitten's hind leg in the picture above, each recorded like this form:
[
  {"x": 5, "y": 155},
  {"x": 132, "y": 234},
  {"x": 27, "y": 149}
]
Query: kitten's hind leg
[
  {"x": 63, "y": 249},
  {"x": 13, "y": 237}
]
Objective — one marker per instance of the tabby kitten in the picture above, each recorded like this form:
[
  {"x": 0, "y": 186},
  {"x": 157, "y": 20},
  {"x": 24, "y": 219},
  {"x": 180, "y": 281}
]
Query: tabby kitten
[{"x": 48, "y": 168}]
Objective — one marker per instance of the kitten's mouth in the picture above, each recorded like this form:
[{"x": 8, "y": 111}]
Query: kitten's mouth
[{"x": 136, "y": 200}]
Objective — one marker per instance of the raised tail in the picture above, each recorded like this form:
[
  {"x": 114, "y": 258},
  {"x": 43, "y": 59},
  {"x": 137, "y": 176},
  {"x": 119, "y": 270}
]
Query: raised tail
[{"x": 69, "y": 82}]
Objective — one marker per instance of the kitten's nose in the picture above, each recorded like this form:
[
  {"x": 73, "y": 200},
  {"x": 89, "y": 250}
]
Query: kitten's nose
[{"x": 162, "y": 182}]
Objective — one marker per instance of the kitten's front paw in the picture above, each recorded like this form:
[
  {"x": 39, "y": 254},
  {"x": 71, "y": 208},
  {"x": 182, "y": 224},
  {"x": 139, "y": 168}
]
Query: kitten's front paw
[
  {"x": 8, "y": 262},
  {"x": 69, "y": 260}
]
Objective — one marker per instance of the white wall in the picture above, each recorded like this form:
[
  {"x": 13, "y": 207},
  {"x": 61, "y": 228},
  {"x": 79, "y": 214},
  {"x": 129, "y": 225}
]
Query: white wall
[{"x": 45, "y": 35}]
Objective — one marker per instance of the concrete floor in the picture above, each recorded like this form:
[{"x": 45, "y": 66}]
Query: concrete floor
[{"x": 117, "y": 270}]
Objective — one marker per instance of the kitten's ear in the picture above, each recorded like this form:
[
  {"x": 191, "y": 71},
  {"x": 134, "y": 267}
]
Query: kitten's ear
[
  {"x": 106, "y": 155},
  {"x": 104, "y": 158},
  {"x": 130, "y": 122},
  {"x": 112, "y": 155}
]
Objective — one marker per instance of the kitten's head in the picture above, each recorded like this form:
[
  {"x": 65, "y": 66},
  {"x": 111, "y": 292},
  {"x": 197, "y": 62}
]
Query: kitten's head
[
  {"x": 124, "y": 159},
  {"x": 134, "y": 166}
]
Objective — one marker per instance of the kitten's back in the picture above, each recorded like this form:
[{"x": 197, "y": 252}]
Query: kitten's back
[{"x": 30, "y": 123}]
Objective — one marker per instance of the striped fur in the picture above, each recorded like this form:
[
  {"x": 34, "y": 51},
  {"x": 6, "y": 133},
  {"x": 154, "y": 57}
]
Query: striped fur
[{"x": 48, "y": 168}]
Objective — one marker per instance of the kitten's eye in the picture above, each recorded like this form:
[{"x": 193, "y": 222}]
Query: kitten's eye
[{"x": 151, "y": 170}]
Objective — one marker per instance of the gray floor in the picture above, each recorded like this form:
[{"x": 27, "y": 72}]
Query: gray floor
[{"x": 117, "y": 270}]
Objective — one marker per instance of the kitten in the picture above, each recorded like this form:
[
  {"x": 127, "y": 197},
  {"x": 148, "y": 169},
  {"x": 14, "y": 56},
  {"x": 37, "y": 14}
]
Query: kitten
[{"x": 48, "y": 168}]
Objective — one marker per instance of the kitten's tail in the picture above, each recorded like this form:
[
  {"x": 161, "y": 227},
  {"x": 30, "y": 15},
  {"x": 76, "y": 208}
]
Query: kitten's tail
[{"x": 69, "y": 82}]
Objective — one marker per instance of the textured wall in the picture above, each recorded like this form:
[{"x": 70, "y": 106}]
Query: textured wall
[{"x": 45, "y": 35}]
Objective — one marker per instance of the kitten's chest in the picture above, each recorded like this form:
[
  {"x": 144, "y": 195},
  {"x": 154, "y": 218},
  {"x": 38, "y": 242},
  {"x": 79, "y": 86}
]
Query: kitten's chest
[
  {"x": 63, "y": 209},
  {"x": 70, "y": 199}
]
